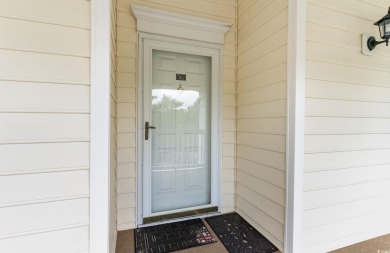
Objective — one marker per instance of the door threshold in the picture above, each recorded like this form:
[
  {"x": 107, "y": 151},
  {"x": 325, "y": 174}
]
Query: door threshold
[{"x": 189, "y": 215}]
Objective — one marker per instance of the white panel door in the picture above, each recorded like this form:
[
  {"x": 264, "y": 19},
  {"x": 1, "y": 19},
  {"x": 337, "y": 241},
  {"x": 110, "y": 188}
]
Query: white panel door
[
  {"x": 180, "y": 142},
  {"x": 180, "y": 130}
]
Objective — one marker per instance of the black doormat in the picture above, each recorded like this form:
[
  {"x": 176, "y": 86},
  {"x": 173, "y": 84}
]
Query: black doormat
[
  {"x": 238, "y": 236},
  {"x": 172, "y": 236}
]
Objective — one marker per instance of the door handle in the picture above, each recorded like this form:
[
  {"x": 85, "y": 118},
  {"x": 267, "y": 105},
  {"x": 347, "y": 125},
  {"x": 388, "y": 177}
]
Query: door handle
[{"x": 147, "y": 126}]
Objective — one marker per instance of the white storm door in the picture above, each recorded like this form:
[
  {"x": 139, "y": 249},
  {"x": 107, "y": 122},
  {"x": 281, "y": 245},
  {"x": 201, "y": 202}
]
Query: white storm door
[{"x": 179, "y": 170}]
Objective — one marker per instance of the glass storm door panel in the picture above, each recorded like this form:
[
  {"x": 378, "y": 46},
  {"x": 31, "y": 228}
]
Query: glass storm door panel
[{"x": 180, "y": 143}]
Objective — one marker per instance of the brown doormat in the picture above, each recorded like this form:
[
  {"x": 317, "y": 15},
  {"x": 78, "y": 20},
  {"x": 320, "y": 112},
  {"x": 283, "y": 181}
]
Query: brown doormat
[
  {"x": 172, "y": 237},
  {"x": 238, "y": 236}
]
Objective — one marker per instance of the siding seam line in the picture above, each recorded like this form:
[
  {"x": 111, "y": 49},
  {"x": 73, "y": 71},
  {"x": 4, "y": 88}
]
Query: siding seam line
[
  {"x": 344, "y": 202},
  {"x": 260, "y": 209},
  {"x": 41, "y": 231},
  {"x": 42, "y": 201},
  {"x": 48, "y": 22}
]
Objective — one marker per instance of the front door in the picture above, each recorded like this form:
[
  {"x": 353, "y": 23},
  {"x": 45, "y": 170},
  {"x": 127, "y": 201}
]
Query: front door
[{"x": 178, "y": 135}]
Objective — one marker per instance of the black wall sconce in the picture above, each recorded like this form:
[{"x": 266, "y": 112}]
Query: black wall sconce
[{"x": 384, "y": 31}]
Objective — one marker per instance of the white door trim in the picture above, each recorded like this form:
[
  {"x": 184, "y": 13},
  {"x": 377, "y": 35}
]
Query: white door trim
[
  {"x": 178, "y": 25},
  {"x": 99, "y": 229},
  {"x": 181, "y": 29},
  {"x": 190, "y": 47},
  {"x": 296, "y": 76}
]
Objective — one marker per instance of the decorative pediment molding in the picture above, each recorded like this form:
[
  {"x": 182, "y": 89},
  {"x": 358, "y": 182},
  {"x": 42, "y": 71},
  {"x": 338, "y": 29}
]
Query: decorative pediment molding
[{"x": 179, "y": 25}]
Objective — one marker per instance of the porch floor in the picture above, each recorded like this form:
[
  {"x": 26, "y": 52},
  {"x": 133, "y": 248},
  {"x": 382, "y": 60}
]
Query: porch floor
[
  {"x": 379, "y": 244},
  {"x": 125, "y": 244}
]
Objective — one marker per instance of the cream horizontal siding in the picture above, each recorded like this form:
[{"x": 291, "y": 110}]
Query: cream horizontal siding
[
  {"x": 63, "y": 241},
  {"x": 43, "y": 157},
  {"x": 222, "y": 10},
  {"x": 43, "y": 186},
  {"x": 44, "y": 126},
  {"x": 125, "y": 104},
  {"x": 28, "y": 127},
  {"x": 34, "y": 66},
  {"x": 261, "y": 115},
  {"x": 80, "y": 11},
  {"x": 347, "y": 127},
  {"x": 53, "y": 97},
  {"x": 57, "y": 43},
  {"x": 58, "y": 215}
]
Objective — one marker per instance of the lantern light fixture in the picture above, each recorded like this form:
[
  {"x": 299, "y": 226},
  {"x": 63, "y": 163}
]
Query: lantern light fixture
[{"x": 384, "y": 31}]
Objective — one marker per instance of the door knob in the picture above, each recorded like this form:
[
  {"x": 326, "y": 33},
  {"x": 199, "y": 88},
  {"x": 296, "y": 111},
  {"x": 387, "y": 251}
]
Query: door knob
[{"x": 147, "y": 126}]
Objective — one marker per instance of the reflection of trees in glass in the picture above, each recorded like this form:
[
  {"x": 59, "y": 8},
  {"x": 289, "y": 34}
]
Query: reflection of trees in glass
[
  {"x": 167, "y": 104},
  {"x": 195, "y": 106},
  {"x": 170, "y": 113},
  {"x": 193, "y": 115}
]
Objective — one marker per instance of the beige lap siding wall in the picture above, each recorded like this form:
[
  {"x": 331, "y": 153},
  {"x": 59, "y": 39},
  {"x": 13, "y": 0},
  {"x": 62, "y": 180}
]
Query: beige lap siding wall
[
  {"x": 222, "y": 10},
  {"x": 44, "y": 126},
  {"x": 347, "y": 141},
  {"x": 261, "y": 115}
]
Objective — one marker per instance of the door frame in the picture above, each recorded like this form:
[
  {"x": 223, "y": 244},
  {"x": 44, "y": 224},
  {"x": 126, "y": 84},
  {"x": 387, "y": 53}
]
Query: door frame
[{"x": 146, "y": 43}]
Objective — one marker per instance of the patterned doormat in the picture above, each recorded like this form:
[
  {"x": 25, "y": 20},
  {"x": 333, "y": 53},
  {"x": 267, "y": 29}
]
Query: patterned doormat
[
  {"x": 238, "y": 236},
  {"x": 172, "y": 236}
]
